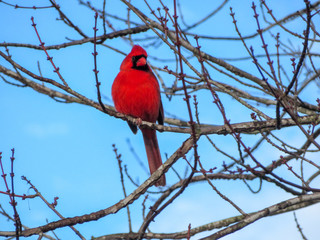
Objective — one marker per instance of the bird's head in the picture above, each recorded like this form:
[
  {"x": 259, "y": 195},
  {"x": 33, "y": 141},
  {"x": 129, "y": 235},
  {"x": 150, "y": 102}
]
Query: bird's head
[{"x": 136, "y": 59}]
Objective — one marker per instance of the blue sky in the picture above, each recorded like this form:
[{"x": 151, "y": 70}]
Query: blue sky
[{"x": 66, "y": 149}]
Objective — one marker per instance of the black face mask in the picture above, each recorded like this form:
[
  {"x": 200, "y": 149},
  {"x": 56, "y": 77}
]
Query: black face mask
[{"x": 135, "y": 59}]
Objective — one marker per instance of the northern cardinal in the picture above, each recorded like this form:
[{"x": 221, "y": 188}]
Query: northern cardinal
[{"x": 136, "y": 92}]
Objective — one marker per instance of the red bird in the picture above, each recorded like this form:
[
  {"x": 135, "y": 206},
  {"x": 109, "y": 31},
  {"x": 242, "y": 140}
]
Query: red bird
[{"x": 136, "y": 92}]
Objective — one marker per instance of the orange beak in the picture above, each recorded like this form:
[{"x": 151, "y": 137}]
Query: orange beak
[{"x": 141, "y": 62}]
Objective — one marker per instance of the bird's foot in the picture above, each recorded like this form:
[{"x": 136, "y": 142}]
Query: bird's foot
[{"x": 138, "y": 121}]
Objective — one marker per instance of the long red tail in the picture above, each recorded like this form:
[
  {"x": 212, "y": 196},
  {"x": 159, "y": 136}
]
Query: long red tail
[{"x": 153, "y": 153}]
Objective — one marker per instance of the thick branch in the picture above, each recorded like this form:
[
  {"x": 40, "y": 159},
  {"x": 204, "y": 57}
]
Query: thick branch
[{"x": 102, "y": 38}]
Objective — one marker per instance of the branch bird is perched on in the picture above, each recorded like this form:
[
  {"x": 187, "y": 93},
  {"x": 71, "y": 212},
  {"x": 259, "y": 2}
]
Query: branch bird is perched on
[{"x": 136, "y": 92}]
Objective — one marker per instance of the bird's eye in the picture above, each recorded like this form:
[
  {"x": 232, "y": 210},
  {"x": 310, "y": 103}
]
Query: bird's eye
[{"x": 134, "y": 59}]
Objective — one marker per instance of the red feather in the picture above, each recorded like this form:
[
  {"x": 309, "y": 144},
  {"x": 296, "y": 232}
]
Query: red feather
[{"x": 136, "y": 92}]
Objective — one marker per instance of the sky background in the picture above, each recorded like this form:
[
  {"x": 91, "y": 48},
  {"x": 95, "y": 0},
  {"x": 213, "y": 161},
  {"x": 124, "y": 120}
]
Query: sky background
[{"x": 66, "y": 149}]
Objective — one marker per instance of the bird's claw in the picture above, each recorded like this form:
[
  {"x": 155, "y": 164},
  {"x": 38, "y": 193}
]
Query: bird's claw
[{"x": 138, "y": 121}]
